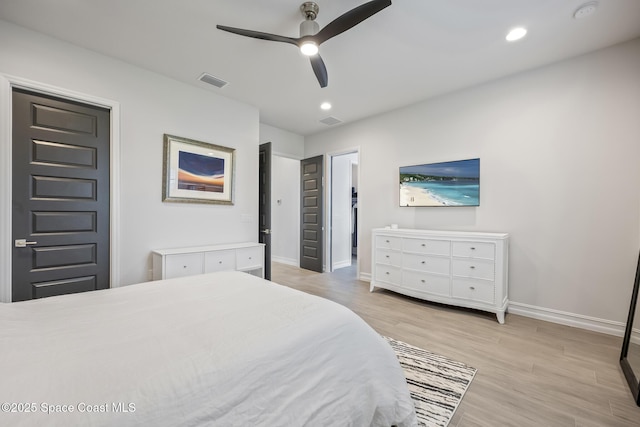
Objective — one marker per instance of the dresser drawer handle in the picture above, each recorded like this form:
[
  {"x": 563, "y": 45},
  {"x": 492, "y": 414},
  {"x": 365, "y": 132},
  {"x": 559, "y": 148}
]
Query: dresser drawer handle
[
  {"x": 472, "y": 248},
  {"x": 472, "y": 288},
  {"x": 387, "y": 256},
  {"x": 219, "y": 262},
  {"x": 423, "y": 245},
  {"x": 387, "y": 273},
  {"x": 472, "y": 267},
  {"x": 423, "y": 281},
  {"x": 387, "y": 241},
  {"x": 424, "y": 262}
]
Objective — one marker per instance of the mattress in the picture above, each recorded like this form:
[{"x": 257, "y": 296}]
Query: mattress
[{"x": 221, "y": 349}]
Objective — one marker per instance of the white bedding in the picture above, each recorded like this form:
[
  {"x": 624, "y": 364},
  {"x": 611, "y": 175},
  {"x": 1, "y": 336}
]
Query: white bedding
[{"x": 223, "y": 349}]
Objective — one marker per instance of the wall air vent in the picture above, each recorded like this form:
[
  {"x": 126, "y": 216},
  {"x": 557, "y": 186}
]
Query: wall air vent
[
  {"x": 214, "y": 81},
  {"x": 330, "y": 121}
]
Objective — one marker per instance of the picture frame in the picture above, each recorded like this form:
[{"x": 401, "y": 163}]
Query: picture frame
[
  {"x": 197, "y": 172},
  {"x": 444, "y": 184}
]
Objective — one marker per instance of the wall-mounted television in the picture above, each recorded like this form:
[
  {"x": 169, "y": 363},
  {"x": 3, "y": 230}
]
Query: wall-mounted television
[{"x": 454, "y": 183}]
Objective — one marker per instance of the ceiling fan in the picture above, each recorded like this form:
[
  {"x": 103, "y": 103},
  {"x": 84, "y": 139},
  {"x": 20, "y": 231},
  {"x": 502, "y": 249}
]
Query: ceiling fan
[{"x": 310, "y": 34}]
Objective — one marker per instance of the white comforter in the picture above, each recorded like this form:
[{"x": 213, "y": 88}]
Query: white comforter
[{"x": 224, "y": 349}]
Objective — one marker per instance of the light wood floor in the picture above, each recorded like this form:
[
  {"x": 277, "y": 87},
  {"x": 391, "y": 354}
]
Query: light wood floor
[{"x": 530, "y": 372}]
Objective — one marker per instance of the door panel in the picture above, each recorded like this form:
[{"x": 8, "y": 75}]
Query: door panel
[
  {"x": 264, "y": 205},
  {"x": 68, "y": 286},
  {"x": 60, "y": 196},
  {"x": 311, "y": 243}
]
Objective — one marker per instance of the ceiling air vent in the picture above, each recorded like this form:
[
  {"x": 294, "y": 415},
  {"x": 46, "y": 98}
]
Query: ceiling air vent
[
  {"x": 214, "y": 81},
  {"x": 330, "y": 121}
]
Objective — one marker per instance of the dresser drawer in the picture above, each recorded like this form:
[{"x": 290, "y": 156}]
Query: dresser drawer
[
  {"x": 474, "y": 290},
  {"x": 388, "y": 274},
  {"x": 426, "y": 263},
  {"x": 219, "y": 261},
  {"x": 474, "y": 268},
  {"x": 388, "y": 242},
  {"x": 247, "y": 258},
  {"x": 427, "y": 246},
  {"x": 180, "y": 265},
  {"x": 474, "y": 250},
  {"x": 433, "y": 284},
  {"x": 388, "y": 257}
]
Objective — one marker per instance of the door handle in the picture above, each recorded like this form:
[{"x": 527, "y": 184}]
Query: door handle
[
  {"x": 266, "y": 231},
  {"x": 22, "y": 243}
]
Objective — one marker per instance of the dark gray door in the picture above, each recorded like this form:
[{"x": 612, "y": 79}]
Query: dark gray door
[
  {"x": 264, "y": 205},
  {"x": 311, "y": 214},
  {"x": 60, "y": 197}
]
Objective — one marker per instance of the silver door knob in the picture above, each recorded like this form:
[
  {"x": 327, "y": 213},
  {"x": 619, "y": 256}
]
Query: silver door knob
[
  {"x": 266, "y": 231},
  {"x": 22, "y": 243}
]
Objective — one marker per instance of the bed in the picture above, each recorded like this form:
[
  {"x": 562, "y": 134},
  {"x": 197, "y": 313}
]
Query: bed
[{"x": 221, "y": 349}]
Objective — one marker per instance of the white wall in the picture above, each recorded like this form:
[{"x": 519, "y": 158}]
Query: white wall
[
  {"x": 151, "y": 105},
  {"x": 559, "y": 149},
  {"x": 283, "y": 143}
]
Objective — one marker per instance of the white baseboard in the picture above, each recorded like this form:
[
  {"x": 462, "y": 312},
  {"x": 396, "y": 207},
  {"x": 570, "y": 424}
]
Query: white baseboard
[
  {"x": 342, "y": 264},
  {"x": 595, "y": 324},
  {"x": 288, "y": 261},
  {"x": 365, "y": 277}
]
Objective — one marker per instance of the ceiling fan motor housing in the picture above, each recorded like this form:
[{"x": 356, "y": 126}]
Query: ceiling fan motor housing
[{"x": 309, "y": 28}]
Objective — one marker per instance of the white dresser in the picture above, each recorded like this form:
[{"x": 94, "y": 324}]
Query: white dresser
[
  {"x": 179, "y": 262},
  {"x": 467, "y": 269}
]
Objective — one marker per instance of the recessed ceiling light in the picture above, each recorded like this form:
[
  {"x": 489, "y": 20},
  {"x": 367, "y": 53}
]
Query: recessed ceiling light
[
  {"x": 325, "y": 106},
  {"x": 585, "y": 10},
  {"x": 516, "y": 34}
]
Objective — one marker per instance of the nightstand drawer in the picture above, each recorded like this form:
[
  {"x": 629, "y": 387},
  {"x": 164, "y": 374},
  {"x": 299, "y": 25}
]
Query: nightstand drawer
[
  {"x": 181, "y": 265},
  {"x": 247, "y": 258},
  {"x": 219, "y": 261}
]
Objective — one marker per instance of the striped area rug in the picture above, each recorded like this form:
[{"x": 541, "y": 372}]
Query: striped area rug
[{"x": 437, "y": 384}]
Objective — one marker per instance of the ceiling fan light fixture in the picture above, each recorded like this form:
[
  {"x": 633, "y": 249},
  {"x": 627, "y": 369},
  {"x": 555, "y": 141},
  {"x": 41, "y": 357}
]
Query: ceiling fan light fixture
[
  {"x": 516, "y": 34},
  {"x": 309, "y": 48}
]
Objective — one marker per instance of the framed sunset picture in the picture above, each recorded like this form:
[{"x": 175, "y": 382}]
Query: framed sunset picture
[{"x": 197, "y": 172}]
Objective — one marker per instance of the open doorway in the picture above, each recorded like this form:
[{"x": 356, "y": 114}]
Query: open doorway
[{"x": 343, "y": 211}]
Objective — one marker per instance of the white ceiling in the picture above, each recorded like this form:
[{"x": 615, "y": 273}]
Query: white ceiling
[{"x": 410, "y": 51}]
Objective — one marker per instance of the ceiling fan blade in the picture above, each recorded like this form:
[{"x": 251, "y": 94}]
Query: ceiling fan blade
[
  {"x": 258, "y": 35},
  {"x": 350, "y": 19},
  {"x": 320, "y": 70}
]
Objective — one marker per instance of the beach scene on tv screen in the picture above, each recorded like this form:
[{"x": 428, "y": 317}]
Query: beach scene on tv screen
[{"x": 454, "y": 183}]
